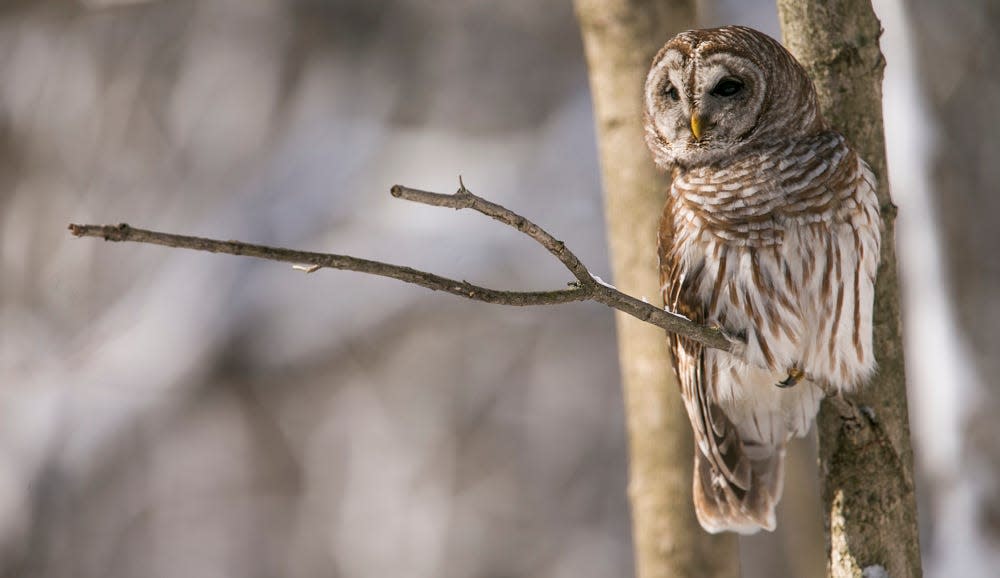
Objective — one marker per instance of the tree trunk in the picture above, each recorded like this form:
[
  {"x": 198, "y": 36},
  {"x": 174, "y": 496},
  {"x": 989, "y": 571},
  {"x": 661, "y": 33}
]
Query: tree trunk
[
  {"x": 620, "y": 38},
  {"x": 868, "y": 490}
]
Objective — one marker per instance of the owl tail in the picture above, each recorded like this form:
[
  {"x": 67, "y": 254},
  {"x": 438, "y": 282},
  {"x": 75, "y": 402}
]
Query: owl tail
[
  {"x": 722, "y": 505},
  {"x": 740, "y": 459}
]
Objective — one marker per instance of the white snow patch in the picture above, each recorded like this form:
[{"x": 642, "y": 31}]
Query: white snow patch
[
  {"x": 876, "y": 571},
  {"x": 675, "y": 314},
  {"x": 602, "y": 281}
]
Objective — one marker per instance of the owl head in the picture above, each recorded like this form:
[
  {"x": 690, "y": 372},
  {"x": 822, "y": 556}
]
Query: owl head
[{"x": 712, "y": 93}]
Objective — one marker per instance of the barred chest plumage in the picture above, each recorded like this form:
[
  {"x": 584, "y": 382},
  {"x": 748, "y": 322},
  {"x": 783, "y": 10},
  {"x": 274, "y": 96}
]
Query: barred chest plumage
[
  {"x": 771, "y": 231},
  {"x": 780, "y": 245}
]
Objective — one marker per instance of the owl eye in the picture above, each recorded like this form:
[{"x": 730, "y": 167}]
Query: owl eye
[
  {"x": 671, "y": 91},
  {"x": 727, "y": 87}
]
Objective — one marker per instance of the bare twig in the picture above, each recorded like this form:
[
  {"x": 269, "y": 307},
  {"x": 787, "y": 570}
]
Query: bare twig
[
  {"x": 586, "y": 288},
  {"x": 309, "y": 261}
]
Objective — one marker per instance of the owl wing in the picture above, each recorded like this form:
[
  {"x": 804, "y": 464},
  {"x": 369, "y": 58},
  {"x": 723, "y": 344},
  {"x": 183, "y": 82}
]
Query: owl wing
[{"x": 731, "y": 491}]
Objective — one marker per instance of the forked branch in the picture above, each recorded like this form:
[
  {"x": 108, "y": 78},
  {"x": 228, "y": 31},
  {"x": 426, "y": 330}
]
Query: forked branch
[{"x": 585, "y": 288}]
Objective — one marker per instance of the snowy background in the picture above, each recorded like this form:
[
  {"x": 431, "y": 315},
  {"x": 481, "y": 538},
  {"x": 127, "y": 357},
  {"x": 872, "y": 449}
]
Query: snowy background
[{"x": 167, "y": 413}]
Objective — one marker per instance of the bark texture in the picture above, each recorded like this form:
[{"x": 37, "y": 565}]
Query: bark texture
[
  {"x": 867, "y": 471},
  {"x": 620, "y": 39}
]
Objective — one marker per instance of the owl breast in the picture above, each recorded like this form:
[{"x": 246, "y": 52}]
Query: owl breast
[{"x": 780, "y": 246}]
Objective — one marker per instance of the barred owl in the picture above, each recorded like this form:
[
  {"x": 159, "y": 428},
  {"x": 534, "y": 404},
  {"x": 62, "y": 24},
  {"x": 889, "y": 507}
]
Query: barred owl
[{"x": 771, "y": 232}]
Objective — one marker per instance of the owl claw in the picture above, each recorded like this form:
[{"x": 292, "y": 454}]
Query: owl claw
[{"x": 794, "y": 376}]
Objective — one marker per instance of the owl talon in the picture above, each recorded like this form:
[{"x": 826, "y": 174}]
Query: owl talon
[{"x": 794, "y": 376}]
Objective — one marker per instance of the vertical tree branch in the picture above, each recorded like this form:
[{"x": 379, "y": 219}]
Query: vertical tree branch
[
  {"x": 620, "y": 39},
  {"x": 868, "y": 489}
]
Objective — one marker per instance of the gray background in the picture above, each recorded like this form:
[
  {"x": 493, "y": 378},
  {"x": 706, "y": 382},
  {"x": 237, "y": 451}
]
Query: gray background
[{"x": 166, "y": 413}]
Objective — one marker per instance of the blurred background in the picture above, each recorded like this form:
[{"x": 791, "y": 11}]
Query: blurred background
[{"x": 168, "y": 413}]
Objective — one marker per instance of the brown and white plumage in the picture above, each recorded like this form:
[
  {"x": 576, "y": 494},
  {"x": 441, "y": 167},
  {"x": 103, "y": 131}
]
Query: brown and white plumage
[{"x": 771, "y": 232}]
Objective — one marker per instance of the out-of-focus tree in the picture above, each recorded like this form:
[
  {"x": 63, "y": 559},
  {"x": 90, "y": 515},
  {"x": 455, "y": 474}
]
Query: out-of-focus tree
[
  {"x": 956, "y": 47},
  {"x": 621, "y": 37}
]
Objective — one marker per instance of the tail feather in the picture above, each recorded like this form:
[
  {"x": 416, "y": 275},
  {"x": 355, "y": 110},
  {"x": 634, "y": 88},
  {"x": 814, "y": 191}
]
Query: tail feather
[
  {"x": 739, "y": 479},
  {"x": 723, "y": 506}
]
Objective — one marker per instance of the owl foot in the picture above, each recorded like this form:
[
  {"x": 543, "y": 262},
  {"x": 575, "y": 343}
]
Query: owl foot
[{"x": 795, "y": 375}]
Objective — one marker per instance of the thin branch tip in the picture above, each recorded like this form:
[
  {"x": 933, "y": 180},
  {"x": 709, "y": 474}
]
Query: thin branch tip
[{"x": 585, "y": 288}]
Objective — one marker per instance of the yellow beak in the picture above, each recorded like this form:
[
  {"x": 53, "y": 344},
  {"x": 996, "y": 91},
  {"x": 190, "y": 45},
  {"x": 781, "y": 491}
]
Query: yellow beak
[{"x": 696, "y": 126}]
